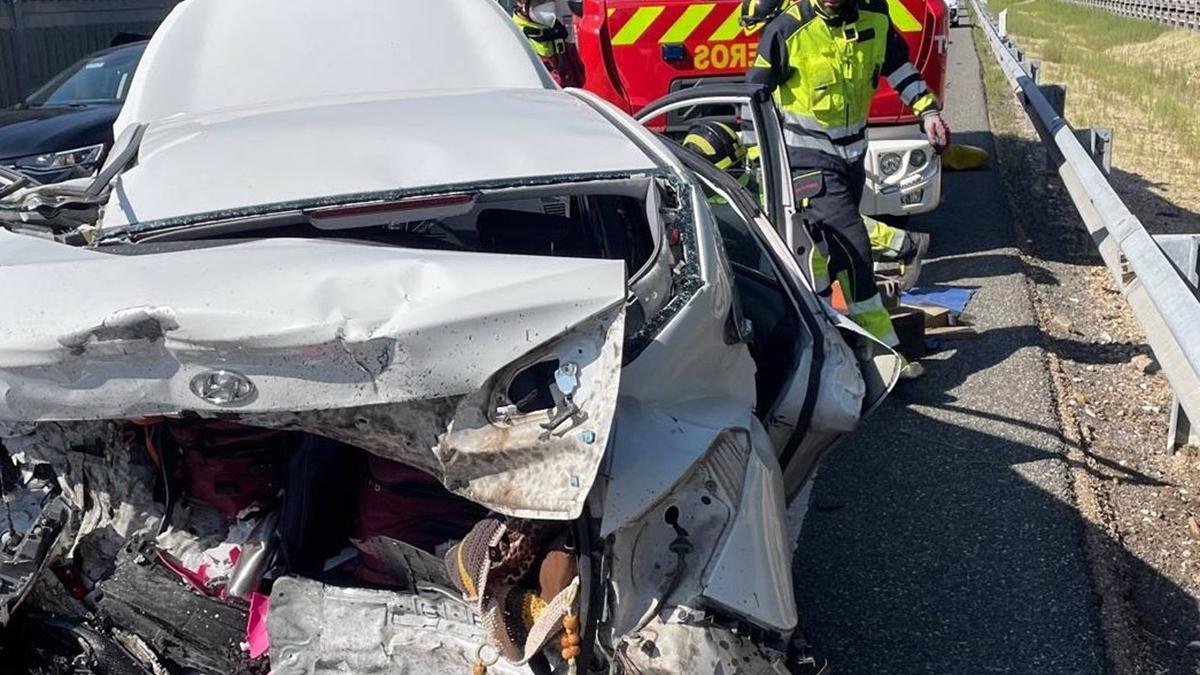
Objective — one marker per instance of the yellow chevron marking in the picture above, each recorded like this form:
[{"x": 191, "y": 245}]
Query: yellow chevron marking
[
  {"x": 687, "y": 23},
  {"x": 903, "y": 19},
  {"x": 730, "y": 29},
  {"x": 636, "y": 26}
]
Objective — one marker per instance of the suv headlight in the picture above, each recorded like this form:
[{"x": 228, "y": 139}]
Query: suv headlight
[
  {"x": 890, "y": 163},
  {"x": 84, "y": 158},
  {"x": 918, "y": 159}
]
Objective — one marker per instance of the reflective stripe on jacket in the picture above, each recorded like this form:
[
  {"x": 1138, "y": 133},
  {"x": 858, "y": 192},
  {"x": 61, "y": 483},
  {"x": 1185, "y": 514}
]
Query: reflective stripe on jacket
[
  {"x": 823, "y": 72},
  {"x": 546, "y": 42}
]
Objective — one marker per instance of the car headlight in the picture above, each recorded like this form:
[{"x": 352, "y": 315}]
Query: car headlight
[
  {"x": 890, "y": 163},
  {"x": 79, "y": 157},
  {"x": 918, "y": 159}
]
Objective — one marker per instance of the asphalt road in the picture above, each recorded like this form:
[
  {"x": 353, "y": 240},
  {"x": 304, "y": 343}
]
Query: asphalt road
[{"x": 943, "y": 537}]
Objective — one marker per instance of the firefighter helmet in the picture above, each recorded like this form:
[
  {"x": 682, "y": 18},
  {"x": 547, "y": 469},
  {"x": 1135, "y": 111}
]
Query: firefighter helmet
[
  {"x": 718, "y": 143},
  {"x": 755, "y": 12}
]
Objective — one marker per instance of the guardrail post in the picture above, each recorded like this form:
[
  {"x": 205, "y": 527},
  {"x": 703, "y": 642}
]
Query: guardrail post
[
  {"x": 1056, "y": 94},
  {"x": 1183, "y": 250},
  {"x": 1182, "y": 431},
  {"x": 1032, "y": 68},
  {"x": 1098, "y": 143}
]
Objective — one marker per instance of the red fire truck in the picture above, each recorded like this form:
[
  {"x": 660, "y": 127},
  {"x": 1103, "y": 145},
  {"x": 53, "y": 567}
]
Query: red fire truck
[{"x": 636, "y": 51}]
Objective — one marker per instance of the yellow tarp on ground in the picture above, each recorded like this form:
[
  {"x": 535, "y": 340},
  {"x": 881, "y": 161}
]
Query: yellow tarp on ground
[{"x": 959, "y": 157}]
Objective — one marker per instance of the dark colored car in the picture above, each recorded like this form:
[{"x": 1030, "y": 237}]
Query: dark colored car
[{"x": 64, "y": 129}]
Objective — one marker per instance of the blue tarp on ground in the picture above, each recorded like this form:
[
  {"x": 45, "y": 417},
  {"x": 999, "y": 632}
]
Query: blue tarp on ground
[{"x": 952, "y": 298}]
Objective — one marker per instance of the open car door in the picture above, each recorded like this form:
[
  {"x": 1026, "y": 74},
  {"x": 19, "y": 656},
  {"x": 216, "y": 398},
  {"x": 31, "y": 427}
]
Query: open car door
[
  {"x": 811, "y": 388},
  {"x": 753, "y": 109}
]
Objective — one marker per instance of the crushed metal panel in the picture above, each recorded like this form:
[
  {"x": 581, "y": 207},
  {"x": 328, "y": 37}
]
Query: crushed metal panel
[
  {"x": 678, "y": 646},
  {"x": 398, "y": 351},
  {"x": 267, "y": 159},
  {"x": 515, "y": 466},
  {"x": 325, "y": 325},
  {"x": 112, "y": 490},
  {"x": 27, "y": 550},
  {"x": 683, "y": 389},
  {"x": 654, "y": 449},
  {"x": 317, "y": 629},
  {"x": 750, "y": 586},
  {"x": 529, "y": 467}
]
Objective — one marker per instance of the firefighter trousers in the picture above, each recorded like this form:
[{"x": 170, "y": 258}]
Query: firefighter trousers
[
  {"x": 830, "y": 206},
  {"x": 888, "y": 243}
]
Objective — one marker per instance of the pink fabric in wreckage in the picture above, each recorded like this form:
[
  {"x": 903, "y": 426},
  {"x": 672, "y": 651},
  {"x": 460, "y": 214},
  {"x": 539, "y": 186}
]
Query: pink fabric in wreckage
[{"x": 258, "y": 641}]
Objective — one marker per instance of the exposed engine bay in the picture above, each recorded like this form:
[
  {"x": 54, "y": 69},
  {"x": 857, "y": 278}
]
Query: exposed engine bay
[
  {"x": 158, "y": 546},
  {"x": 189, "y": 545}
]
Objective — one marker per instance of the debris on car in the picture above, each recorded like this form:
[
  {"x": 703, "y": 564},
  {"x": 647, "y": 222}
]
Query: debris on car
[{"x": 350, "y": 382}]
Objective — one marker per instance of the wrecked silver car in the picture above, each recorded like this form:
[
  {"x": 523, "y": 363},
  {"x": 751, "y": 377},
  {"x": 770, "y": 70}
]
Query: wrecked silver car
[{"x": 413, "y": 368}]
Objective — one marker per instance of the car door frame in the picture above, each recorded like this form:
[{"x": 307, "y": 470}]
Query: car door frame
[
  {"x": 777, "y": 181},
  {"x": 779, "y": 214},
  {"x": 786, "y": 411}
]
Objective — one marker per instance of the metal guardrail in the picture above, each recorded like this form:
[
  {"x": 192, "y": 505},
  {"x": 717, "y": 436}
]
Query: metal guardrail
[
  {"x": 1163, "y": 301},
  {"x": 1181, "y": 13}
]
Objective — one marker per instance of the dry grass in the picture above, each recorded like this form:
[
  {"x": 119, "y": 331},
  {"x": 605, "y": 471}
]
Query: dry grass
[{"x": 1140, "y": 78}]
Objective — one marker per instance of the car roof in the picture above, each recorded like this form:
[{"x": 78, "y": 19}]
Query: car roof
[
  {"x": 281, "y": 157},
  {"x": 213, "y": 55}
]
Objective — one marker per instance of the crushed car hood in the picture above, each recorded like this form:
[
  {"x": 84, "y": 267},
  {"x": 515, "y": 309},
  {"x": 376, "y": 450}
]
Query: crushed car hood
[
  {"x": 401, "y": 352},
  {"x": 249, "y": 158}
]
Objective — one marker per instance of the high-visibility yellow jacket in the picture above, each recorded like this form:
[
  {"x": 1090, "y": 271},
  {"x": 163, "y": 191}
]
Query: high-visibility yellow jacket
[
  {"x": 546, "y": 42},
  {"x": 824, "y": 70}
]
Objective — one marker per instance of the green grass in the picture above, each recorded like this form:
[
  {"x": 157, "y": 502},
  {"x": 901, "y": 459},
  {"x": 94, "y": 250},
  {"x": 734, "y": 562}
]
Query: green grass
[
  {"x": 1003, "y": 112},
  {"x": 1100, "y": 30},
  {"x": 1075, "y": 45}
]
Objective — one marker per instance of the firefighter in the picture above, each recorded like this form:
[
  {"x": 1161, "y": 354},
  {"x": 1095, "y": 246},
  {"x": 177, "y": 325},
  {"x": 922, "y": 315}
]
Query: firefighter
[
  {"x": 721, "y": 145},
  {"x": 550, "y": 39},
  {"x": 822, "y": 60}
]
